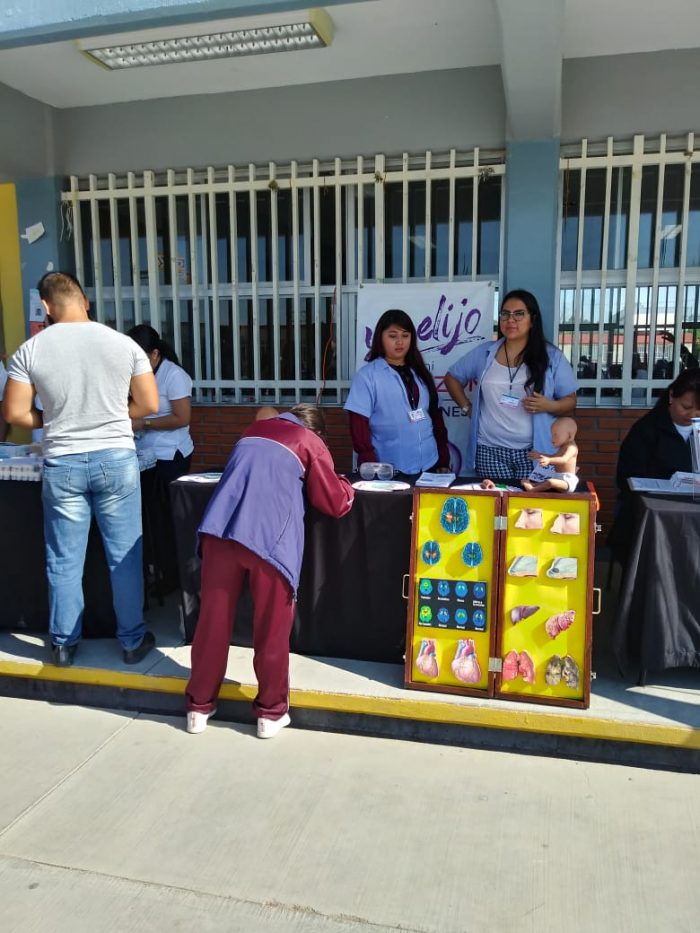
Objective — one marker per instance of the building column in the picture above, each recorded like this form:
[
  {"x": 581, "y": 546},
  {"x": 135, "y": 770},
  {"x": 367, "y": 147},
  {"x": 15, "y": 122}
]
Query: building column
[
  {"x": 531, "y": 223},
  {"x": 12, "y": 318}
]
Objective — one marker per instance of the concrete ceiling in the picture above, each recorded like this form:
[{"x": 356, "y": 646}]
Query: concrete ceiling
[{"x": 529, "y": 39}]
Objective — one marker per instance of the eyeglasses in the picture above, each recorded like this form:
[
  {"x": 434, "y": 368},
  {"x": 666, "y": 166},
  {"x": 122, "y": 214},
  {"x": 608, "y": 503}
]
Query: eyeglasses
[{"x": 516, "y": 315}]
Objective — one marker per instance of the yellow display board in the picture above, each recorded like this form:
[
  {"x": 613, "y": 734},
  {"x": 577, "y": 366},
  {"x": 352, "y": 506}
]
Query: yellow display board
[
  {"x": 452, "y": 590},
  {"x": 543, "y": 636},
  {"x": 500, "y": 595}
]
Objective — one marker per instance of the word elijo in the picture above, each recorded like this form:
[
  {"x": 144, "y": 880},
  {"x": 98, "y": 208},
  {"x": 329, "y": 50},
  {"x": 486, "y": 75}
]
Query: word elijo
[
  {"x": 441, "y": 331},
  {"x": 440, "y": 326}
]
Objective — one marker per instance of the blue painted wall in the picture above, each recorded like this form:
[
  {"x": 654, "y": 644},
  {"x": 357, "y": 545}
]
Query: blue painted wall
[
  {"x": 532, "y": 201},
  {"x": 39, "y": 199}
]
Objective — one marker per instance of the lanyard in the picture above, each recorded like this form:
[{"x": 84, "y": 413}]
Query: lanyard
[
  {"x": 412, "y": 389},
  {"x": 512, "y": 376}
]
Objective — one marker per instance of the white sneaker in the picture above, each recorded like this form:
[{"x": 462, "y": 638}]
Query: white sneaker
[
  {"x": 197, "y": 722},
  {"x": 268, "y": 728}
]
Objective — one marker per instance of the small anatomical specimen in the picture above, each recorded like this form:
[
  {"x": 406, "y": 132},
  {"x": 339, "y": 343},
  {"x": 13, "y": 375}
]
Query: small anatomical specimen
[
  {"x": 563, "y": 568},
  {"x": 560, "y": 622},
  {"x": 526, "y": 667},
  {"x": 531, "y": 519},
  {"x": 518, "y": 613},
  {"x": 566, "y": 523},
  {"x": 552, "y": 674},
  {"x": 426, "y": 662},
  {"x": 570, "y": 672},
  {"x": 465, "y": 666},
  {"x": 509, "y": 670},
  {"x": 525, "y": 566}
]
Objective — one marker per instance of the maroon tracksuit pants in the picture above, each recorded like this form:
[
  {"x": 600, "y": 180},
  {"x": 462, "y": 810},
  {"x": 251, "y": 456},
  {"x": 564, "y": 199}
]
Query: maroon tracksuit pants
[{"x": 224, "y": 567}]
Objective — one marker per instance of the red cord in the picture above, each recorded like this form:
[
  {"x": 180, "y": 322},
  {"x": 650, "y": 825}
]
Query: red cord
[{"x": 325, "y": 351}]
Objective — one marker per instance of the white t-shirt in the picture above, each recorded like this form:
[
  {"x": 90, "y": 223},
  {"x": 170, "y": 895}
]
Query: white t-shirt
[
  {"x": 83, "y": 372},
  {"x": 173, "y": 383},
  {"x": 504, "y": 425},
  {"x": 685, "y": 430}
]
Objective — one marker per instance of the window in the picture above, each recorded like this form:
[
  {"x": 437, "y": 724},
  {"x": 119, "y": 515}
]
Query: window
[
  {"x": 630, "y": 266},
  {"x": 252, "y": 274}
]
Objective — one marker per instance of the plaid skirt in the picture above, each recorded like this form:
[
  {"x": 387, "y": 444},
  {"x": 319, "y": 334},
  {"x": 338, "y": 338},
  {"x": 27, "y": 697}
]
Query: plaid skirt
[{"x": 502, "y": 462}]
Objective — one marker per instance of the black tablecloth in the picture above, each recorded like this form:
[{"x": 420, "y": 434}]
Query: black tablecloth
[
  {"x": 24, "y": 601},
  {"x": 350, "y": 602},
  {"x": 658, "y": 618}
]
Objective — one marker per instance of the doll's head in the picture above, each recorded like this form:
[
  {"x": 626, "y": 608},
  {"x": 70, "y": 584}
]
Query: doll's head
[{"x": 563, "y": 431}]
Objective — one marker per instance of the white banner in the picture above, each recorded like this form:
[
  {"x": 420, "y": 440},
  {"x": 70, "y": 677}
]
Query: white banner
[{"x": 451, "y": 318}]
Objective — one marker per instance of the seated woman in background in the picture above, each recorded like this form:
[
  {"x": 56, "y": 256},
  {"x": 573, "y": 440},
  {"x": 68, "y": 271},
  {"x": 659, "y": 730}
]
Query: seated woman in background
[
  {"x": 657, "y": 446},
  {"x": 166, "y": 435},
  {"x": 393, "y": 403},
  {"x": 523, "y": 383}
]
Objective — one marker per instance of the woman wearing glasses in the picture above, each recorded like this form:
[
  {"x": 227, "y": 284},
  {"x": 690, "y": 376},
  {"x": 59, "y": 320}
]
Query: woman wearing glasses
[{"x": 521, "y": 384}]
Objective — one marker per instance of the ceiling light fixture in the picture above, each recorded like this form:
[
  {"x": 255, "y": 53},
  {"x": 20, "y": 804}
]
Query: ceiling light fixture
[{"x": 315, "y": 32}]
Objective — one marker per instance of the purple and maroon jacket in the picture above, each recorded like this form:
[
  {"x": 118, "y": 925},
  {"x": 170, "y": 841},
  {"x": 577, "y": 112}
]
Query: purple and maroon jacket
[{"x": 260, "y": 499}]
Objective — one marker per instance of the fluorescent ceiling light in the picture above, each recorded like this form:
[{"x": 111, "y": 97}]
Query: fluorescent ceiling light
[{"x": 315, "y": 32}]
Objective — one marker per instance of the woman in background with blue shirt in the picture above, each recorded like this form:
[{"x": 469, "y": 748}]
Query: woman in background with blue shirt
[
  {"x": 523, "y": 383},
  {"x": 393, "y": 403}
]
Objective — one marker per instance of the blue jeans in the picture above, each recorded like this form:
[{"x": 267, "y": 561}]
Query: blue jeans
[{"x": 103, "y": 483}]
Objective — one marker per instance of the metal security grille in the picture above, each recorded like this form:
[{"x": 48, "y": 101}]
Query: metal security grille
[
  {"x": 253, "y": 274},
  {"x": 630, "y": 265}
]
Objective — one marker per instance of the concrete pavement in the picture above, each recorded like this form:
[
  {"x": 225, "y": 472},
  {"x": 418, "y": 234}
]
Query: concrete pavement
[{"x": 115, "y": 821}]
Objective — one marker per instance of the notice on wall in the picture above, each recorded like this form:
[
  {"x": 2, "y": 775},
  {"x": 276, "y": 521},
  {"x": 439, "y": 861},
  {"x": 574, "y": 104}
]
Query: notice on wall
[
  {"x": 451, "y": 318},
  {"x": 37, "y": 314}
]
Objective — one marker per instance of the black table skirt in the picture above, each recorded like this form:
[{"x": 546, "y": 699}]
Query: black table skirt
[
  {"x": 658, "y": 617},
  {"x": 350, "y": 602},
  {"x": 24, "y": 601}
]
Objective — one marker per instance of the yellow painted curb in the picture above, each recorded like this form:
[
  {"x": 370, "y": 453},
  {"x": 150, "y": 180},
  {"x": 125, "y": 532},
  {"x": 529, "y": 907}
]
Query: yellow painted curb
[{"x": 573, "y": 725}]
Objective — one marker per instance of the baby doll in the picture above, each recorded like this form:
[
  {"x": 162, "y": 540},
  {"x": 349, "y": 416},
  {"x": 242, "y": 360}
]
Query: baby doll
[{"x": 559, "y": 471}]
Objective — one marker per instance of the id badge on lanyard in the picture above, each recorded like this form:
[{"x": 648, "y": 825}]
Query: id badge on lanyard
[
  {"x": 509, "y": 401},
  {"x": 417, "y": 414}
]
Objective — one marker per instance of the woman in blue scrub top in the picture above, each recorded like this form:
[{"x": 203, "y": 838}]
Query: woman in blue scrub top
[
  {"x": 522, "y": 383},
  {"x": 393, "y": 403}
]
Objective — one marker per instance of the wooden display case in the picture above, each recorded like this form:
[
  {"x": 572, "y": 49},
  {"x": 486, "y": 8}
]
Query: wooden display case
[{"x": 500, "y": 595}]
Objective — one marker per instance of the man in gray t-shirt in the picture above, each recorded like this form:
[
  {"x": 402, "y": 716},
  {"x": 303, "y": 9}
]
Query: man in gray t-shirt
[{"x": 92, "y": 381}]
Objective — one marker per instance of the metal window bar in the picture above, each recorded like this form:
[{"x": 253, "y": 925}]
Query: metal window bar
[
  {"x": 134, "y": 240},
  {"x": 194, "y": 278},
  {"x": 475, "y": 216},
  {"x": 620, "y": 289},
  {"x": 235, "y": 319},
  {"x": 214, "y": 334},
  {"x": 174, "y": 269},
  {"x": 323, "y": 278},
  {"x": 682, "y": 271},
  {"x": 116, "y": 259},
  {"x": 96, "y": 249},
  {"x": 296, "y": 296}
]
